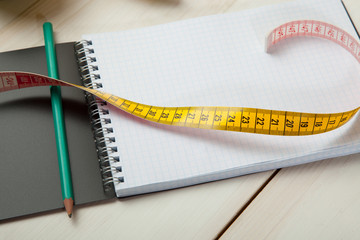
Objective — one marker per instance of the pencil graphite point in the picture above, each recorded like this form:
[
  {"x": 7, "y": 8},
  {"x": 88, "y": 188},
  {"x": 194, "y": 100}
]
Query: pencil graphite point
[{"x": 69, "y": 203}]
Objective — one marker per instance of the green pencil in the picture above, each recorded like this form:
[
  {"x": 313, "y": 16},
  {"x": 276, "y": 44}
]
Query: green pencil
[{"x": 59, "y": 124}]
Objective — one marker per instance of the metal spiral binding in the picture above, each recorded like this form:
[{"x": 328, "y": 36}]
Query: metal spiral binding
[{"x": 101, "y": 125}]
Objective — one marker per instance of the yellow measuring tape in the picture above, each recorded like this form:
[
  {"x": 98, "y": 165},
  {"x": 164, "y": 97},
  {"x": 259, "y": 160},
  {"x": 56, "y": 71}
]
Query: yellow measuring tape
[{"x": 241, "y": 119}]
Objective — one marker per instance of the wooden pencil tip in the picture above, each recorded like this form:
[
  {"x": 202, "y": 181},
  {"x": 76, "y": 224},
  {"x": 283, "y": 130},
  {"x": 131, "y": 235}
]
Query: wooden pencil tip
[{"x": 69, "y": 203}]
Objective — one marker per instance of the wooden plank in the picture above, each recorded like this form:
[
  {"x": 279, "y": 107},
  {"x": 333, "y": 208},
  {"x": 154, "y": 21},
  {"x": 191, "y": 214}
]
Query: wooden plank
[{"x": 313, "y": 201}]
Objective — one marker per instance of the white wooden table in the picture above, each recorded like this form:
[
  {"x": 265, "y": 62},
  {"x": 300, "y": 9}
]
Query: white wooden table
[{"x": 313, "y": 201}]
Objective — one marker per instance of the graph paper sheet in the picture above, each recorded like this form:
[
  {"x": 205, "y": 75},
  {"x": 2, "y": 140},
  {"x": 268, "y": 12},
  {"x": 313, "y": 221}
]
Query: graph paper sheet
[{"x": 220, "y": 61}]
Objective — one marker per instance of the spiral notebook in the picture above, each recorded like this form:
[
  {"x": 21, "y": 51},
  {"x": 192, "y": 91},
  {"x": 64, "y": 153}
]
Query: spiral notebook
[
  {"x": 219, "y": 61},
  {"x": 209, "y": 61}
]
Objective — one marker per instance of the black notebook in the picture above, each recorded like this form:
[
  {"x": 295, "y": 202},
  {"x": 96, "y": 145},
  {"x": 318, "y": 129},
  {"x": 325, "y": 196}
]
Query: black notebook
[{"x": 209, "y": 61}]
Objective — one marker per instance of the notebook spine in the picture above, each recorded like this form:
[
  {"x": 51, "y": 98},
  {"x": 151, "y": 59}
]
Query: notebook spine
[{"x": 103, "y": 132}]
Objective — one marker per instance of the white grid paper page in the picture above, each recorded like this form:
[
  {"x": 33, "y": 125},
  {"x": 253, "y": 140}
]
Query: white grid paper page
[{"x": 220, "y": 61}]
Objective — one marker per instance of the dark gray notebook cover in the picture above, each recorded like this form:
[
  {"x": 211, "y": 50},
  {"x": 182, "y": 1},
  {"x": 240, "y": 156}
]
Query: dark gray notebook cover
[{"x": 29, "y": 172}]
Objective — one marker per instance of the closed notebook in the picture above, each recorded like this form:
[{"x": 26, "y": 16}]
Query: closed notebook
[{"x": 214, "y": 61}]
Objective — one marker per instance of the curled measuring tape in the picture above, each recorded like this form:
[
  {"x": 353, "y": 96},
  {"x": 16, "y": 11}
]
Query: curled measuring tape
[{"x": 241, "y": 119}]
